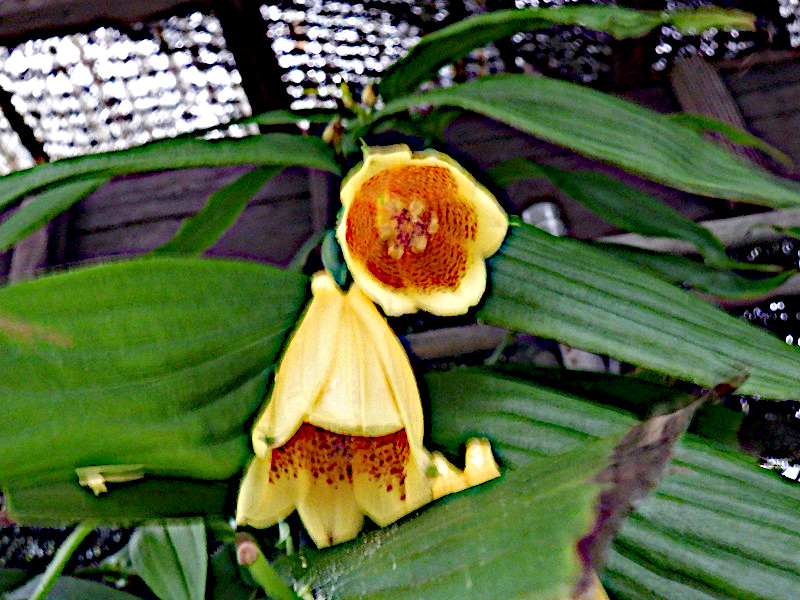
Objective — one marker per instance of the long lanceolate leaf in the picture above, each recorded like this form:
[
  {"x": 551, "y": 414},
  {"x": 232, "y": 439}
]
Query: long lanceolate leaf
[
  {"x": 40, "y": 209},
  {"x": 154, "y": 362},
  {"x": 200, "y": 232},
  {"x": 613, "y": 130},
  {"x": 447, "y": 45},
  {"x": 276, "y": 149},
  {"x": 719, "y": 282},
  {"x": 563, "y": 289},
  {"x": 717, "y": 527},
  {"x": 617, "y": 203},
  {"x": 514, "y": 538},
  {"x": 172, "y": 558}
]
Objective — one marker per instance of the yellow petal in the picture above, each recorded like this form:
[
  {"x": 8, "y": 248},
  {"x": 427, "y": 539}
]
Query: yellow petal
[
  {"x": 395, "y": 368},
  {"x": 305, "y": 367},
  {"x": 96, "y": 477},
  {"x": 263, "y": 501},
  {"x": 387, "y": 481},
  {"x": 359, "y": 396},
  {"x": 329, "y": 510},
  {"x": 479, "y": 463},
  {"x": 448, "y": 480},
  {"x": 479, "y": 467}
]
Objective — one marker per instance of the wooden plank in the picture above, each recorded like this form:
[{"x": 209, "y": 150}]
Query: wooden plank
[
  {"x": 767, "y": 102},
  {"x": 173, "y": 194},
  {"x": 778, "y": 130},
  {"x": 25, "y": 19},
  {"x": 700, "y": 89},
  {"x": 270, "y": 233},
  {"x": 246, "y": 37},
  {"x": 760, "y": 70},
  {"x": 29, "y": 254}
]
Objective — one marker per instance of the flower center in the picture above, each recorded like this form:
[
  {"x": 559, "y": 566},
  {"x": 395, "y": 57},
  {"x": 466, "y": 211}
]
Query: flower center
[
  {"x": 410, "y": 227},
  {"x": 406, "y": 226}
]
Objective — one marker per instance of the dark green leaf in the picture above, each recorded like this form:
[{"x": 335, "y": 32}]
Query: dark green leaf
[
  {"x": 224, "y": 578},
  {"x": 275, "y": 149},
  {"x": 717, "y": 527},
  {"x": 73, "y": 588},
  {"x": 125, "y": 504},
  {"x": 332, "y": 258},
  {"x": 286, "y": 117},
  {"x": 172, "y": 558},
  {"x": 719, "y": 282},
  {"x": 11, "y": 578},
  {"x": 470, "y": 545},
  {"x": 224, "y": 206},
  {"x": 631, "y": 393},
  {"x": 619, "y": 204},
  {"x": 41, "y": 208},
  {"x": 613, "y": 130},
  {"x": 523, "y": 420},
  {"x": 447, "y": 45},
  {"x": 703, "y": 124},
  {"x": 428, "y": 126},
  {"x": 563, "y": 289},
  {"x": 157, "y": 362}
]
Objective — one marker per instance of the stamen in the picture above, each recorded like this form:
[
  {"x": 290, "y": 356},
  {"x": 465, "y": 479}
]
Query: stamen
[
  {"x": 404, "y": 227},
  {"x": 418, "y": 243}
]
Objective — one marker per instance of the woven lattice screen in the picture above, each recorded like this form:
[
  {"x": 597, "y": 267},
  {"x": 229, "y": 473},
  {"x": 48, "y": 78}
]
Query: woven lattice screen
[{"x": 110, "y": 89}]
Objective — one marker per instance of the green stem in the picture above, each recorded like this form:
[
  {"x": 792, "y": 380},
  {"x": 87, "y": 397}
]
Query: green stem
[
  {"x": 250, "y": 556},
  {"x": 62, "y": 555},
  {"x": 269, "y": 580}
]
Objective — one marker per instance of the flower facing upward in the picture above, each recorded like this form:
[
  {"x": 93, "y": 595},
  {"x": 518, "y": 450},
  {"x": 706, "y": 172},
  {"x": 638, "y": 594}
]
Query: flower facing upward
[
  {"x": 341, "y": 436},
  {"x": 415, "y": 230}
]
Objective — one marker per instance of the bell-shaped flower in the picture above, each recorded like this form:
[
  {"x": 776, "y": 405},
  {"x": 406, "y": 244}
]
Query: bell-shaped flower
[
  {"x": 415, "y": 230},
  {"x": 341, "y": 436}
]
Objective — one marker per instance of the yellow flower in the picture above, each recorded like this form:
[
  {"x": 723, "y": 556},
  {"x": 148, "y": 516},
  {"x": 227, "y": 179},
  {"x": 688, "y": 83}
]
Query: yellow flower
[
  {"x": 341, "y": 436},
  {"x": 415, "y": 231}
]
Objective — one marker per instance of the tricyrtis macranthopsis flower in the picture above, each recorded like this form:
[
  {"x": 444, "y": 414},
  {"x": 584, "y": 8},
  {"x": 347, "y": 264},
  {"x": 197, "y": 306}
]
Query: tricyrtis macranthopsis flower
[
  {"x": 341, "y": 436},
  {"x": 416, "y": 229}
]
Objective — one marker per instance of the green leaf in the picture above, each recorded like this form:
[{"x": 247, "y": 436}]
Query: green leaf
[
  {"x": 618, "y": 204},
  {"x": 703, "y": 124},
  {"x": 224, "y": 577},
  {"x": 73, "y": 588},
  {"x": 563, "y": 289},
  {"x": 332, "y": 259},
  {"x": 447, "y": 45},
  {"x": 717, "y": 527},
  {"x": 630, "y": 393},
  {"x": 275, "y": 149},
  {"x": 469, "y": 545},
  {"x": 158, "y": 362},
  {"x": 523, "y": 420},
  {"x": 126, "y": 504},
  {"x": 287, "y": 117},
  {"x": 612, "y": 130},
  {"x": 200, "y": 232},
  {"x": 11, "y": 578},
  {"x": 172, "y": 558},
  {"x": 719, "y": 282},
  {"x": 40, "y": 209}
]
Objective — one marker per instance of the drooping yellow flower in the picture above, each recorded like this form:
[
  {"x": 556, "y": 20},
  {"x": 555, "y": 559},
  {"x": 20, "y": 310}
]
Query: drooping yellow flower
[
  {"x": 415, "y": 230},
  {"x": 341, "y": 436}
]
